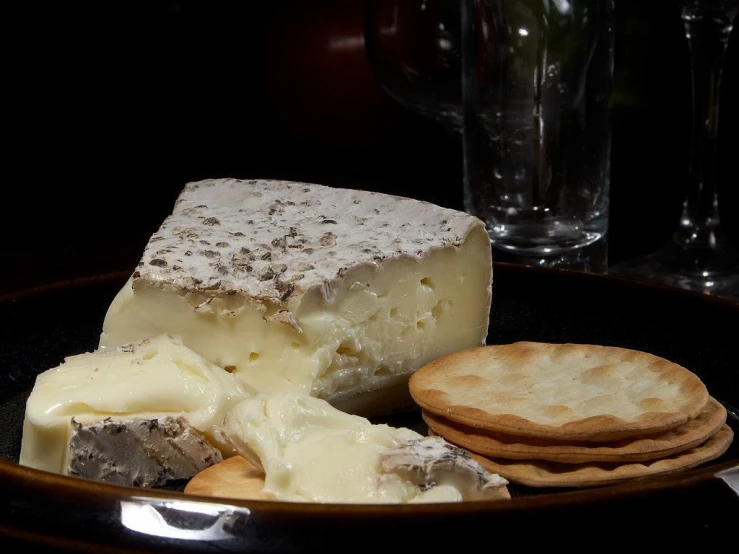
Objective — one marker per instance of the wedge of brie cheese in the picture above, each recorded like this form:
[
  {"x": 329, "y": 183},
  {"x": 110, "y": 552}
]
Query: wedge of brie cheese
[
  {"x": 74, "y": 409},
  {"x": 312, "y": 452},
  {"x": 331, "y": 292}
]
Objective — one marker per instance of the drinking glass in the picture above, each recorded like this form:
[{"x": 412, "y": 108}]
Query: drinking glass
[
  {"x": 535, "y": 130},
  {"x": 537, "y": 97},
  {"x": 413, "y": 47},
  {"x": 699, "y": 256}
]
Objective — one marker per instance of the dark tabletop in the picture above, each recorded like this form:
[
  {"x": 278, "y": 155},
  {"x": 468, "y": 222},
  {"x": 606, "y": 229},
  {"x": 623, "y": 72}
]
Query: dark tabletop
[{"x": 112, "y": 107}]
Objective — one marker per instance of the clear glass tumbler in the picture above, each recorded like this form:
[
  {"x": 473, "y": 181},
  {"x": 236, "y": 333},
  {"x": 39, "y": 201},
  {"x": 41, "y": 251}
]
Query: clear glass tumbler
[{"x": 537, "y": 98}]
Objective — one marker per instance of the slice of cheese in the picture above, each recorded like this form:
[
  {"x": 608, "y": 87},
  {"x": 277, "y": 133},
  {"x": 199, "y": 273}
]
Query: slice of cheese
[
  {"x": 141, "y": 381},
  {"x": 138, "y": 452},
  {"x": 313, "y": 452},
  {"x": 331, "y": 292}
]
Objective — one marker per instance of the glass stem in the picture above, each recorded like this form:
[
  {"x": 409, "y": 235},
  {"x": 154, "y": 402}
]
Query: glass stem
[{"x": 707, "y": 31}]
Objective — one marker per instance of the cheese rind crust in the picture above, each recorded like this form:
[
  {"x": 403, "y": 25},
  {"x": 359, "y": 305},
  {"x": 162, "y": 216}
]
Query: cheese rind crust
[
  {"x": 274, "y": 241},
  {"x": 139, "y": 452},
  {"x": 332, "y": 292},
  {"x": 427, "y": 461}
]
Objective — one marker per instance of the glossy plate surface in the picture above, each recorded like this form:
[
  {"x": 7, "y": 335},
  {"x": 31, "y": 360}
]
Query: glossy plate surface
[{"x": 41, "y": 327}]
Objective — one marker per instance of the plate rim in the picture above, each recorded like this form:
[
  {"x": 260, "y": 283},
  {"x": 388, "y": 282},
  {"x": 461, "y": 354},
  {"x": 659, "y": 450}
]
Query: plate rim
[{"x": 11, "y": 471}]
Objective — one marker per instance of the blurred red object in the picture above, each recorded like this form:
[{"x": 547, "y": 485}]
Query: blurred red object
[{"x": 318, "y": 79}]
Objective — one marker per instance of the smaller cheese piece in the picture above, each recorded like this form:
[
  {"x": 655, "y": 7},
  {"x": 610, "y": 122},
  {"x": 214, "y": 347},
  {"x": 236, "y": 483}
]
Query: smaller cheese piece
[
  {"x": 139, "y": 452},
  {"x": 147, "y": 380},
  {"x": 312, "y": 452}
]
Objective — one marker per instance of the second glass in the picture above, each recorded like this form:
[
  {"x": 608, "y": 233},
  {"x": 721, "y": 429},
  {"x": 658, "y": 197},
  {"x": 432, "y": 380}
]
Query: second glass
[{"x": 537, "y": 98}]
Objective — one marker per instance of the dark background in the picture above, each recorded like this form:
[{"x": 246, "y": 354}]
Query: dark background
[{"x": 111, "y": 107}]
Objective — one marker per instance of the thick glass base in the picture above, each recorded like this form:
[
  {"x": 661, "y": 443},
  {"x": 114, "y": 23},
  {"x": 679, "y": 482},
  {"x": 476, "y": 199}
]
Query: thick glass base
[
  {"x": 592, "y": 257},
  {"x": 668, "y": 267}
]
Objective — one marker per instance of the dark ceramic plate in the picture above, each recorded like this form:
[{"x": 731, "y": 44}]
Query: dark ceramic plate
[{"x": 40, "y": 327}]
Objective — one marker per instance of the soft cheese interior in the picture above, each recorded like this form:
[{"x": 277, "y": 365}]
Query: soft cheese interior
[
  {"x": 312, "y": 452},
  {"x": 140, "y": 382},
  {"x": 330, "y": 292}
]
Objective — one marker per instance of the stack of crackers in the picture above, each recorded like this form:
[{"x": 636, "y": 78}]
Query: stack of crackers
[{"x": 571, "y": 415}]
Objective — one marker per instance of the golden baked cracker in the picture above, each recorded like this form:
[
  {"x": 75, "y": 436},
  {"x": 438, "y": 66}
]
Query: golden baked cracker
[
  {"x": 234, "y": 477},
  {"x": 568, "y": 392},
  {"x": 649, "y": 447},
  {"x": 539, "y": 473}
]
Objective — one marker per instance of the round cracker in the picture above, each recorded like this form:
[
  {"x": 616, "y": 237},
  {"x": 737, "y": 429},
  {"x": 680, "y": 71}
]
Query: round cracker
[
  {"x": 234, "y": 477},
  {"x": 650, "y": 447},
  {"x": 539, "y": 473},
  {"x": 577, "y": 392}
]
